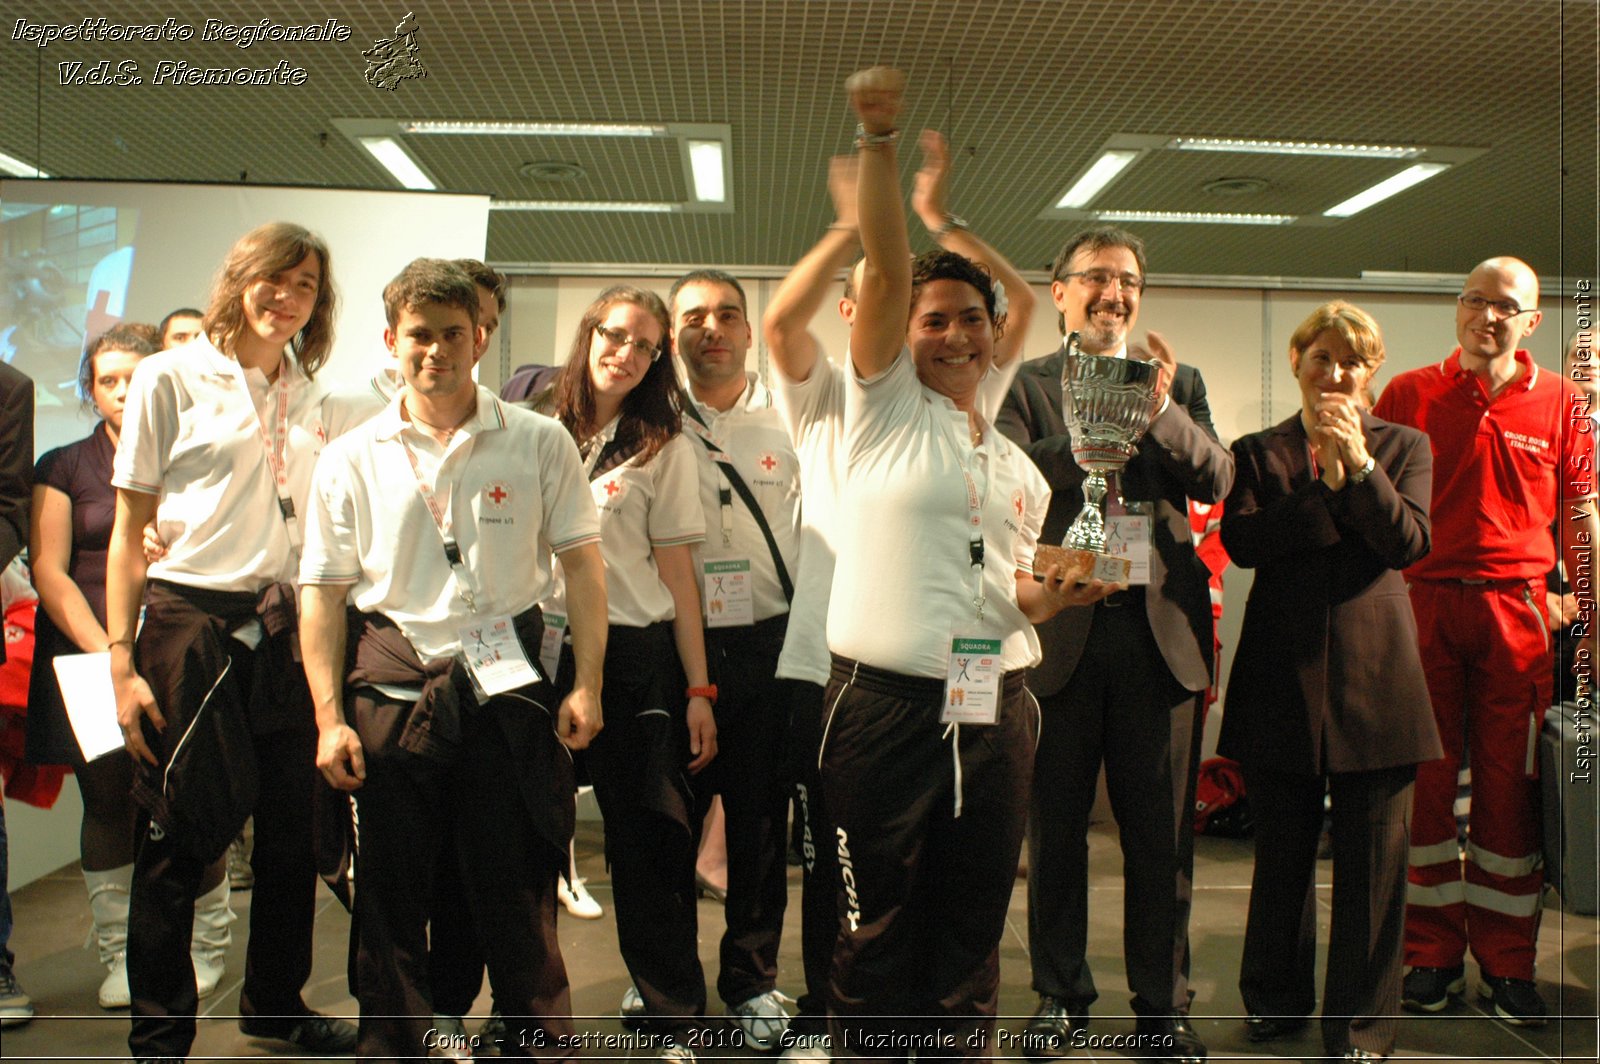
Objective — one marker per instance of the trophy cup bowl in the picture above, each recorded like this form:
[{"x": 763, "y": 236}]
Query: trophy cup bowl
[{"x": 1107, "y": 403}]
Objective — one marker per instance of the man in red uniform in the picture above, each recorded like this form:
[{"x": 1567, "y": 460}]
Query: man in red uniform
[{"x": 1508, "y": 460}]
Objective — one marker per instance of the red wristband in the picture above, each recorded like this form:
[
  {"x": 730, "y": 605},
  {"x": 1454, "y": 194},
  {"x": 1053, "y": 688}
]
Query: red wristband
[{"x": 708, "y": 692}]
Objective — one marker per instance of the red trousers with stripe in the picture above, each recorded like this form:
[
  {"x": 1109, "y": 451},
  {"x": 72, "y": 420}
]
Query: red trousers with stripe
[{"x": 1486, "y": 650}]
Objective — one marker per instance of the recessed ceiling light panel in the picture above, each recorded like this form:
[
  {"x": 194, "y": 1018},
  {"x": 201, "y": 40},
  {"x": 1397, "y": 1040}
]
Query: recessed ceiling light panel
[
  {"x": 1296, "y": 147},
  {"x": 535, "y": 129},
  {"x": 1104, "y": 170},
  {"x": 1198, "y": 217},
  {"x": 587, "y": 206},
  {"x": 1392, "y": 186}
]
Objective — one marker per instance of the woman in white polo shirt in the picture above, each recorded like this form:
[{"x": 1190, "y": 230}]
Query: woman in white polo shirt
[
  {"x": 928, "y": 744},
  {"x": 617, "y": 395},
  {"x": 218, "y": 442}
]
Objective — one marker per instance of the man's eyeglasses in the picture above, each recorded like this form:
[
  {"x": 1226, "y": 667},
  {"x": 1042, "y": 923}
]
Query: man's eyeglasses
[
  {"x": 1506, "y": 308},
  {"x": 1104, "y": 279},
  {"x": 621, "y": 341}
]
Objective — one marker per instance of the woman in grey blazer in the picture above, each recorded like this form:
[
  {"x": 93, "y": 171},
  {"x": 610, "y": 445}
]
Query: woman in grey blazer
[{"x": 1327, "y": 691}]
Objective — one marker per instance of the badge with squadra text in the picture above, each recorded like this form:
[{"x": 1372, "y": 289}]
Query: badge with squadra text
[
  {"x": 729, "y": 594},
  {"x": 972, "y": 681}
]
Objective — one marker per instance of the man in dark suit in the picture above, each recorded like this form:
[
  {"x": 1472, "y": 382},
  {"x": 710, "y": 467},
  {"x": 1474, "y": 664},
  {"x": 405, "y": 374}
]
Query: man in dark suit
[{"x": 1122, "y": 680}]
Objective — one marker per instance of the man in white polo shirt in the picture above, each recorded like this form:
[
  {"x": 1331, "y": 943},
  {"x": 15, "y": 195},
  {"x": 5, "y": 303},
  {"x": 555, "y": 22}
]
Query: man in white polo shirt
[
  {"x": 438, "y": 518},
  {"x": 745, "y": 565}
]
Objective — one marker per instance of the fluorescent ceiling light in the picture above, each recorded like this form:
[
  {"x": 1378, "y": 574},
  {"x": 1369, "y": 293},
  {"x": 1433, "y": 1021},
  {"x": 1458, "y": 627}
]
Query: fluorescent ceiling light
[
  {"x": 705, "y": 163},
  {"x": 537, "y": 129},
  {"x": 395, "y": 159},
  {"x": 1097, "y": 177},
  {"x": 10, "y": 164},
  {"x": 591, "y": 206},
  {"x": 1203, "y": 217},
  {"x": 1411, "y": 175},
  {"x": 1295, "y": 147}
]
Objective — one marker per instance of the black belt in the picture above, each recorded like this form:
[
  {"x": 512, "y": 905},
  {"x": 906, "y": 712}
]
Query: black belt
[{"x": 899, "y": 685}]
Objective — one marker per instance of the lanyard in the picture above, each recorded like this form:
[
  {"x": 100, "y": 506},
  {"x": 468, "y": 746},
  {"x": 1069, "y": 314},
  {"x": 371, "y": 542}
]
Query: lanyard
[
  {"x": 975, "y": 540},
  {"x": 444, "y": 522},
  {"x": 276, "y": 445},
  {"x": 719, "y": 458}
]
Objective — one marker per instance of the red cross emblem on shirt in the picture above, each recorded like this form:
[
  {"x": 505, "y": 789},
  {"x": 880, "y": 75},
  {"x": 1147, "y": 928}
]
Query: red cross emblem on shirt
[
  {"x": 769, "y": 462},
  {"x": 1018, "y": 503},
  {"x": 497, "y": 494},
  {"x": 612, "y": 487}
]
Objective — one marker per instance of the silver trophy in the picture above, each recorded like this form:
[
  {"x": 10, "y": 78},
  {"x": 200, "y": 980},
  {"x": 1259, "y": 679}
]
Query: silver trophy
[{"x": 1107, "y": 404}]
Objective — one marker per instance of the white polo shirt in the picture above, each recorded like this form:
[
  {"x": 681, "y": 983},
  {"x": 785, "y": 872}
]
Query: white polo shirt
[
  {"x": 752, "y": 435},
  {"x": 904, "y": 582},
  {"x": 343, "y": 410},
  {"x": 641, "y": 508},
  {"x": 813, "y": 412},
  {"x": 192, "y": 434},
  {"x": 512, "y": 491}
]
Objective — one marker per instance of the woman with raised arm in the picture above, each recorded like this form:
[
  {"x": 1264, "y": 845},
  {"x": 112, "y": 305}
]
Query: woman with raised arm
[
  {"x": 618, "y": 396},
  {"x": 217, "y": 448},
  {"x": 927, "y": 748},
  {"x": 1327, "y": 693}
]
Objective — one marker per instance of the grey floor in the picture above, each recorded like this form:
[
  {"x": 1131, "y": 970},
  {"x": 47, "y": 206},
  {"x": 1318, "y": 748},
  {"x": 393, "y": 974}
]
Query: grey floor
[{"x": 61, "y": 975}]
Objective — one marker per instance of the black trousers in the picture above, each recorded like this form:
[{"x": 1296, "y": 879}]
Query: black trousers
[
  {"x": 819, "y": 865},
  {"x": 1371, "y": 840},
  {"x": 637, "y": 765},
  {"x": 409, "y": 809},
  {"x": 1121, "y": 707},
  {"x": 923, "y": 889},
  {"x": 752, "y": 729},
  {"x": 166, "y": 881}
]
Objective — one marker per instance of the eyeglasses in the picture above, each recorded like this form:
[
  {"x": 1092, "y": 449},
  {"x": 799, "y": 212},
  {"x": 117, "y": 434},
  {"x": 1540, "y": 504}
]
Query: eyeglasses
[
  {"x": 1506, "y": 308},
  {"x": 1105, "y": 278},
  {"x": 621, "y": 341}
]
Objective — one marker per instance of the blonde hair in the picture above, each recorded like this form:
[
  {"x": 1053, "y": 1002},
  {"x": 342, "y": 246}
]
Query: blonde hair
[
  {"x": 264, "y": 252},
  {"x": 1355, "y": 325}
]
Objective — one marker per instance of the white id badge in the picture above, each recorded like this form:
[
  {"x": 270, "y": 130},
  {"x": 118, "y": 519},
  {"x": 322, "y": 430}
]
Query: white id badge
[
  {"x": 729, "y": 594},
  {"x": 495, "y": 657},
  {"x": 1128, "y": 536},
  {"x": 555, "y": 629},
  {"x": 972, "y": 681}
]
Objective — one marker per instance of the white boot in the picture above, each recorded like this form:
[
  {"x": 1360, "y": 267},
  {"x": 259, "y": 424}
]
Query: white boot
[
  {"x": 108, "y": 904},
  {"x": 208, "y": 944}
]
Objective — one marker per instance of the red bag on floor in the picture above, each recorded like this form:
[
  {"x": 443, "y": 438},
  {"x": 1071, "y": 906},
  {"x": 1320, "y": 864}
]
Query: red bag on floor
[{"x": 1220, "y": 805}]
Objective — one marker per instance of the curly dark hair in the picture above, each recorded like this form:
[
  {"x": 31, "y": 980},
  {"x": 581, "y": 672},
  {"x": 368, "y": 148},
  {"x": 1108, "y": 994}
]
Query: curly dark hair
[
  {"x": 650, "y": 414},
  {"x": 942, "y": 265}
]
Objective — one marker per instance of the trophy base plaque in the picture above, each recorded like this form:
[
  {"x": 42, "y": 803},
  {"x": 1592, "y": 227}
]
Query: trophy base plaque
[{"x": 1108, "y": 567}]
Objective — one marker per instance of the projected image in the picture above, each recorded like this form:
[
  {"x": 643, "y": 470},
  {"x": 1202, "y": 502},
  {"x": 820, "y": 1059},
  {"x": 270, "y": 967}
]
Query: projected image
[{"x": 66, "y": 270}]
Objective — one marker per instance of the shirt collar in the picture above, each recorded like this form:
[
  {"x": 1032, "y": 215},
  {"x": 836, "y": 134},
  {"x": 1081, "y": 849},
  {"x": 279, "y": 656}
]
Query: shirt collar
[
  {"x": 754, "y": 397},
  {"x": 1452, "y": 368},
  {"x": 489, "y": 416}
]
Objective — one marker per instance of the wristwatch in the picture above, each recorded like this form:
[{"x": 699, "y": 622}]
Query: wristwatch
[
  {"x": 1363, "y": 473},
  {"x": 951, "y": 221}
]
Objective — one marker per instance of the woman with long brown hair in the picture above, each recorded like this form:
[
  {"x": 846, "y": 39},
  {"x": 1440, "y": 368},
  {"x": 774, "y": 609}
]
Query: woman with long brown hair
[{"x": 618, "y": 396}]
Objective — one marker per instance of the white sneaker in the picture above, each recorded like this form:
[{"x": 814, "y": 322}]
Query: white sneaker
[
  {"x": 114, "y": 992},
  {"x": 808, "y": 1047},
  {"x": 763, "y": 1019},
  {"x": 676, "y": 1053},
  {"x": 577, "y": 899},
  {"x": 632, "y": 1010}
]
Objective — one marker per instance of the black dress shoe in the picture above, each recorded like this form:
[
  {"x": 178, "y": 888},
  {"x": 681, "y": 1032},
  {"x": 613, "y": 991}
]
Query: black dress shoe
[
  {"x": 1272, "y": 1028},
  {"x": 1048, "y": 1034},
  {"x": 315, "y": 1033},
  {"x": 1169, "y": 1040}
]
